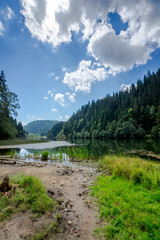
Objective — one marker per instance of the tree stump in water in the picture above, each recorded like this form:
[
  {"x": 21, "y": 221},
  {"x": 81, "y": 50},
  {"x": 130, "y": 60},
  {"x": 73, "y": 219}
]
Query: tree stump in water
[{"x": 5, "y": 186}]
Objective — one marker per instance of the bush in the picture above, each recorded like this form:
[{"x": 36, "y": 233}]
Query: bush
[{"x": 44, "y": 155}]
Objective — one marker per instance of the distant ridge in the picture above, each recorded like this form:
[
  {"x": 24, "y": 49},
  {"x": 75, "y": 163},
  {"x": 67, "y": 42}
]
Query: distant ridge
[{"x": 40, "y": 126}]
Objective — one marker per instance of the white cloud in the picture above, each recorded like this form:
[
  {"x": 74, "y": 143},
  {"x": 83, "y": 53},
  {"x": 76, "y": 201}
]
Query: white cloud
[
  {"x": 64, "y": 69},
  {"x": 40, "y": 119},
  {"x": 59, "y": 97},
  {"x": 116, "y": 53},
  {"x": 67, "y": 117},
  {"x": 54, "y": 110},
  {"x": 84, "y": 76},
  {"x": 60, "y": 118},
  {"x": 51, "y": 74},
  {"x": 45, "y": 98},
  {"x": 71, "y": 96},
  {"x": 55, "y": 21},
  {"x": 125, "y": 87},
  {"x": 56, "y": 78},
  {"x": 49, "y": 92},
  {"x": 1, "y": 29},
  {"x": 9, "y": 13},
  {"x": 6, "y": 13}
]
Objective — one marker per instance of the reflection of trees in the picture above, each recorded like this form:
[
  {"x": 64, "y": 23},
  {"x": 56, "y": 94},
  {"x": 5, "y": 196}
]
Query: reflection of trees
[{"x": 103, "y": 147}]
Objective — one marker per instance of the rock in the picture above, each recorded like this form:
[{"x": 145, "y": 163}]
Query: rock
[
  {"x": 5, "y": 186},
  {"x": 69, "y": 222}
]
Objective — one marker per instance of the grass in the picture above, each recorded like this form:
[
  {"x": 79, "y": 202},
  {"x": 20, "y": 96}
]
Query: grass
[
  {"x": 44, "y": 155},
  {"x": 30, "y": 194},
  {"x": 19, "y": 141},
  {"x": 128, "y": 198},
  {"x": 47, "y": 231},
  {"x": 134, "y": 169}
]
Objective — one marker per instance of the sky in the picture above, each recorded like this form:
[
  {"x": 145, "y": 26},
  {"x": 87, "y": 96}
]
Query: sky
[{"x": 58, "y": 55}]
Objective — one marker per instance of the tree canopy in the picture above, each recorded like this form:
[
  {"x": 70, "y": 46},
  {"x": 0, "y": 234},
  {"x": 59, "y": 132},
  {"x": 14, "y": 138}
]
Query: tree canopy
[
  {"x": 133, "y": 113},
  {"x": 8, "y": 109}
]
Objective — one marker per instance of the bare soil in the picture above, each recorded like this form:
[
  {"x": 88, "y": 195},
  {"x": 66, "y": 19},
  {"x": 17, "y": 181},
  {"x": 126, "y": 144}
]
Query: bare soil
[{"x": 69, "y": 186}]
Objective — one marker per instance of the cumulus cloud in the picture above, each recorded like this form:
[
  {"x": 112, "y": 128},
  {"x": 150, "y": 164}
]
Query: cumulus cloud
[
  {"x": 59, "y": 97},
  {"x": 125, "y": 87},
  {"x": 54, "y": 110},
  {"x": 45, "y": 98},
  {"x": 55, "y": 21},
  {"x": 49, "y": 92},
  {"x": 71, "y": 96},
  {"x": 82, "y": 78},
  {"x": 115, "y": 52},
  {"x": 56, "y": 78}
]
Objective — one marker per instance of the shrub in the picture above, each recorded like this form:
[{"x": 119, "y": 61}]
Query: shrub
[{"x": 44, "y": 155}]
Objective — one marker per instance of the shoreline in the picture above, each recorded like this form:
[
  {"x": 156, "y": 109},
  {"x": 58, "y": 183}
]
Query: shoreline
[{"x": 44, "y": 145}]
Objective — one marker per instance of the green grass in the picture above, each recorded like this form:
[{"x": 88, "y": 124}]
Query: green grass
[
  {"x": 30, "y": 194},
  {"x": 129, "y": 211},
  {"x": 44, "y": 155},
  {"x": 19, "y": 141},
  {"x": 128, "y": 197},
  {"x": 135, "y": 169},
  {"x": 49, "y": 230}
]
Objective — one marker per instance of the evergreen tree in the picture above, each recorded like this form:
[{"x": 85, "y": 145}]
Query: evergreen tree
[{"x": 8, "y": 105}]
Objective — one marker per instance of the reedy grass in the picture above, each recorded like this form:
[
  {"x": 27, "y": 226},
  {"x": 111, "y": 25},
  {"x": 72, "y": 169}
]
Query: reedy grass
[{"x": 135, "y": 169}]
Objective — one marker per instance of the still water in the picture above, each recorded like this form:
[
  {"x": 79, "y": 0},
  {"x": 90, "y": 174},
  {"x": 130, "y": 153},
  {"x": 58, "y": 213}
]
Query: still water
[{"x": 95, "y": 149}]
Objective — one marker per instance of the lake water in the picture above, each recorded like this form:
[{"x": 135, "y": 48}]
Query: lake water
[{"x": 95, "y": 149}]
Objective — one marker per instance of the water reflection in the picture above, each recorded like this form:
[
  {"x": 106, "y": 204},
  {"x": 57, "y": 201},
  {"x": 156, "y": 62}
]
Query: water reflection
[{"x": 95, "y": 148}]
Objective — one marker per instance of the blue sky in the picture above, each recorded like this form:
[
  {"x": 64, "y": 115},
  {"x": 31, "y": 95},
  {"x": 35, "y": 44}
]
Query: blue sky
[{"x": 58, "y": 55}]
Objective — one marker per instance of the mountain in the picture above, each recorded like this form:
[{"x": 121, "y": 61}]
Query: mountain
[
  {"x": 40, "y": 126},
  {"x": 131, "y": 113}
]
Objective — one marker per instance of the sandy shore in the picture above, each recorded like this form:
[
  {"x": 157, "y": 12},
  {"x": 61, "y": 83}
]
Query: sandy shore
[{"x": 45, "y": 145}]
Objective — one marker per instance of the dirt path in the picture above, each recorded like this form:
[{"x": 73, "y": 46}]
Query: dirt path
[{"x": 69, "y": 185}]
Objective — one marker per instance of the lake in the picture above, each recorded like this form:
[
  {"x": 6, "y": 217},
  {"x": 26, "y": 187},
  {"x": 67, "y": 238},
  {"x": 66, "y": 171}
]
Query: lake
[{"x": 94, "y": 149}]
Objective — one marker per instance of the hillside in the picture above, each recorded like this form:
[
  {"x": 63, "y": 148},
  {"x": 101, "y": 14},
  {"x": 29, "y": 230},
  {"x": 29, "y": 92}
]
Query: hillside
[
  {"x": 40, "y": 126},
  {"x": 134, "y": 113}
]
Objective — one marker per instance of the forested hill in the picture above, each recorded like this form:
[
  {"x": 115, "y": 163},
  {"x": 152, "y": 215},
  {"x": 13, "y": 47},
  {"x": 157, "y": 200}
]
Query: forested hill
[
  {"x": 134, "y": 113},
  {"x": 40, "y": 126}
]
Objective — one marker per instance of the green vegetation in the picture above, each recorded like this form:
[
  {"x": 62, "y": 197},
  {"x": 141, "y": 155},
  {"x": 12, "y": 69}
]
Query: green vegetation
[
  {"x": 79, "y": 153},
  {"x": 53, "y": 133},
  {"x": 135, "y": 169},
  {"x": 29, "y": 194},
  {"x": 9, "y": 128},
  {"x": 40, "y": 126},
  {"x": 130, "y": 114},
  {"x": 128, "y": 198},
  {"x": 17, "y": 141},
  {"x": 47, "y": 231},
  {"x": 44, "y": 155}
]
